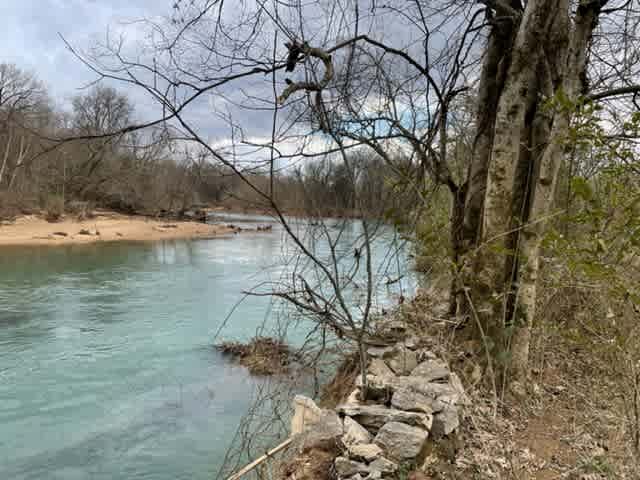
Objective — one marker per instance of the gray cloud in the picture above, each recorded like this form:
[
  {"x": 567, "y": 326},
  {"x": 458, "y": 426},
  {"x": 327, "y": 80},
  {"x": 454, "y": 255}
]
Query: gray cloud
[{"x": 30, "y": 37}]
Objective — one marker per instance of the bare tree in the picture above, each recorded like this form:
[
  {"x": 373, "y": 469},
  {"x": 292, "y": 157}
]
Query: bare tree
[{"x": 329, "y": 77}]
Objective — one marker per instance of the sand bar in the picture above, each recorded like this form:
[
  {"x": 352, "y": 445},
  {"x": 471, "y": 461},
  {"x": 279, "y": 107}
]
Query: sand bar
[{"x": 104, "y": 227}]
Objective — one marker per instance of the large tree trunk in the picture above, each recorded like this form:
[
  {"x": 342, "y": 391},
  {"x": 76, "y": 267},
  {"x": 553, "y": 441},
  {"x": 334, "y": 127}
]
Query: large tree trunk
[
  {"x": 515, "y": 164},
  {"x": 573, "y": 64}
]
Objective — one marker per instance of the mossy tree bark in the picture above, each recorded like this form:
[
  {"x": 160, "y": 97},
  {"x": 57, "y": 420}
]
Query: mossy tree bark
[{"x": 517, "y": 153}]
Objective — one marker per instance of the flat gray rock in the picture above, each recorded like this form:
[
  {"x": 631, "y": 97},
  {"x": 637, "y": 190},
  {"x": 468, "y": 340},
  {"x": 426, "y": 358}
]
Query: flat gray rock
[
  {"x": 445, "y": 422},
  {"x": 354, "y": 433},
  {"x": 431, "y": 370},
  {"x": 401, "y": 441},
  {"x": 412, "y": 401},
  {"x": 402, "y": 361},
  {"x": 373, "y": 417},
  {"x": 366, "y": 452},
  {"x": 384, "y": 466}
]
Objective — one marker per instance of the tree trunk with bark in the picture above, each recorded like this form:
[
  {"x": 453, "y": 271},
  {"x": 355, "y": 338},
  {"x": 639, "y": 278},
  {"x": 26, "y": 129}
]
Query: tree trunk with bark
[{"x": 518, "y": 149}]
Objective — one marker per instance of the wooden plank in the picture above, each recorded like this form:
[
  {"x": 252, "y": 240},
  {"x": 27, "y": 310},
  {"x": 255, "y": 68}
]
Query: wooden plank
[{"x": 243, "y": 471}]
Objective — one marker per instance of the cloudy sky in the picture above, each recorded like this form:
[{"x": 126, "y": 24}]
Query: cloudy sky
[{"x": 31, "y": 31}]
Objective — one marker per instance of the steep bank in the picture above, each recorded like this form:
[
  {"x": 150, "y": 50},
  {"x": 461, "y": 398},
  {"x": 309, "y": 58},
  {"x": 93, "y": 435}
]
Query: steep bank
[{"x": 105, "y": 226}]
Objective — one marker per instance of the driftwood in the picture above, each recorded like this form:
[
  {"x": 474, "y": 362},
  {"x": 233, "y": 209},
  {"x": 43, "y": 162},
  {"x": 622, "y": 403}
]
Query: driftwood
[{"x": 244, "y": 470}]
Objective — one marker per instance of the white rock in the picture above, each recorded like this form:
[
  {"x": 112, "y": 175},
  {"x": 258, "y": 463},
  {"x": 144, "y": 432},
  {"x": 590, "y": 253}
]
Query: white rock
[
  {"x": 431, "y": 370},
  {"x": 379, "y": 352},
  {"x": 354, "y": 397},
  {"x": 364, "y": 451},
  {"x": 354, "y": 433},
  {"x": 306, "y": 413},
  {"x": 401, "y": 441}
]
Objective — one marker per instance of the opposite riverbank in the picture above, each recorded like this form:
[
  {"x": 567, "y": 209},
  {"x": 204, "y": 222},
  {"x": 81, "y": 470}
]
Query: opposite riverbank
[{"x": 103, "y": 227}]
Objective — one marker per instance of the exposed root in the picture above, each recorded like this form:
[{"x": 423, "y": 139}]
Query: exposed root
[{"x": 342, "y": 383}]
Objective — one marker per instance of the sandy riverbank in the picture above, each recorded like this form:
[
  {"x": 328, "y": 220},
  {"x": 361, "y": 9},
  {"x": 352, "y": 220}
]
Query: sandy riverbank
[{"x": 105, "y": 227}]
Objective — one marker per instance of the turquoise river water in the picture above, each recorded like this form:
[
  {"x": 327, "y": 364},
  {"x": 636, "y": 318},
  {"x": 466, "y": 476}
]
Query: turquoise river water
[{"x": 107, "y": 369}]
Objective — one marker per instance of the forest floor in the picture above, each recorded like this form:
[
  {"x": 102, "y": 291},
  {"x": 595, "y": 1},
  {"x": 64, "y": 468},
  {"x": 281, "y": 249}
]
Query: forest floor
[
  {"x": 571, "y": 423},
  {"x": 104, "y": 226}
]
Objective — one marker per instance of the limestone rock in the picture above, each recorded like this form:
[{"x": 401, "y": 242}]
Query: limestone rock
[
  {"x": 383, "y": 465},
  {"x": 402, "y": 361},
  {"x": 456, "y": 384},
  {"x": 431, "y": 370},
  {"x": 354, "y": 397},
  {"x": 347, "y": 468},
  {"x": 306, "y": 413},
  {"x": 354, "y": 433},
  {"x": 379, "y": 352},
  {"x": 412, "y": 401},
  {"x": 445, "y": 422},
  {"x": 364, "y": 451},
  {"x": 326, "y": 430},
  {"x": 379, "y": 368},
  {"x": 401, "y": 441},
  {"x": 375, "y": 416}
]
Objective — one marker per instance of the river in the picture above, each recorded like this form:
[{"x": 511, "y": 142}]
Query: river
[{"x": 107, "y": 369}]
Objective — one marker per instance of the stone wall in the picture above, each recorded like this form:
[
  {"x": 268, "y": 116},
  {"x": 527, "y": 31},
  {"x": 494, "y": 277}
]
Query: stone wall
[{"x": 412, "y": 399}]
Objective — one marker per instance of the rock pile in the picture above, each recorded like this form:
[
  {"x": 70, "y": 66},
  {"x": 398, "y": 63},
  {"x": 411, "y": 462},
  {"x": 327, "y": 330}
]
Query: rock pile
[{"x": 412, "y": 397}]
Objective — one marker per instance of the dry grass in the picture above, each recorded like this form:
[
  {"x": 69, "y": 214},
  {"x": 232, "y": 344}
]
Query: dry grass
[
  {"x": 261, "y": 356},
  {"x": 573, "y": 422},
  {"x": 342, "y": 383}
]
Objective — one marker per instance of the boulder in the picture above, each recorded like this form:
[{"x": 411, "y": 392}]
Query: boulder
[
  {"x": 379, "y": 368},
  {"x": 375, "y": 416},
  {"x": 442, "y": 394},
  {"x": 328, "y": 429},
  {"x": 401, "y": 441},
  {"x": 366, "y": 452},
  {"x": 402, "y": 361},
  {"x": 412, "y": 401},
  {"x": 383, "y": 465},
  {"x": 445, "y": 422},
  {"x": 347, "y": 468},
  {"x": 431, "y": 370},
  {"x": 354, "y": 433},
  {"x": 306, "y": 413}
]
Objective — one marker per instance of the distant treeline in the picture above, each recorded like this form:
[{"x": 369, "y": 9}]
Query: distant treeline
[{"x": 149, "y": 175}]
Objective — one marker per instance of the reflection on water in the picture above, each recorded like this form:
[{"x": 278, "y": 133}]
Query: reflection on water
[{"x": 106, "y": 369}]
